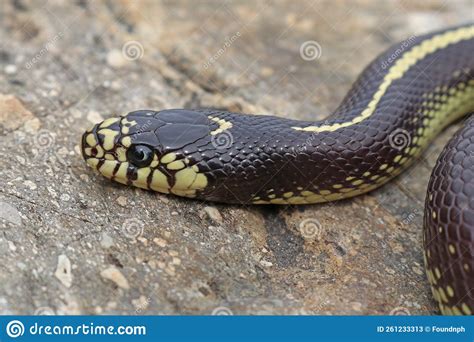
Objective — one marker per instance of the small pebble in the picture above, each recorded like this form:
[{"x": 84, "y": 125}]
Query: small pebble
[
  {"x": 116, "y": 276},
  {"x": 121, "y": 200},
  {"x": 63, "y": 270},
  {"x": 116, "y": 59},
  {"x": 160, "y": 242},
  {"x": 30, "y": 185},
  {"x": 94, "y": 117},
  {"x": 106, "y": 240},
  {"x": 213, "y": 214},
  {"x": 10, "y": 69}
]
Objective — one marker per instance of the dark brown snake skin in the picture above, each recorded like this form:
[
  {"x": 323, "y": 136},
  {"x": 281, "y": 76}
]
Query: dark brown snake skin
[
  {"x": 449, "y": 233},
  {"x": 400, "y": 102}
]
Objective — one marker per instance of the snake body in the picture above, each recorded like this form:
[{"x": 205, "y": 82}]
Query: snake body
[{"x": 399, "y": 103}]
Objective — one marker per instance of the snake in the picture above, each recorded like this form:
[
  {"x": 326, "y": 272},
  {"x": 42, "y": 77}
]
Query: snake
[{"x": 396, "y": 107}]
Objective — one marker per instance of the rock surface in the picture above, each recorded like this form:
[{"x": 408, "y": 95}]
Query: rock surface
[{"x": 74, "y": 243}]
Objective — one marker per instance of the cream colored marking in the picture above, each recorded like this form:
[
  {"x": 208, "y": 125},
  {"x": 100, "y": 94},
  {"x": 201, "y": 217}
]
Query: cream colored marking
[
  {"x": 93, "y": 162},
  {"x": 91, "y": 140},
  {"x": 121, "y": 154},
  {"x": 337, "y": 186},
  {"x": 88, "y": 151},
  {"x": 401, "y": 66},
  {"x": 357, "y": 182},
  {"x": 108, "y": 122},
  {"x": 466, "y": 309},
  {"x": 297, "y": 200},
  {"x": 200, "y": 182},
  {"x": 176, "y": 165},
  {"x": 127, "y": 141},
  {"x": 142, "y": 176},
  {"x": 307, "y": 193},
  {"x": 383, "y": 167},
  {"x": 125, "y": 122},
  {"x": 223, "y": 125},
  {"x": 366, "y": 174},
  {"x": 288, "y": 194},
  {"x": 272, "y": 196},
  {"x": 184, "y": 179},
  {"x": 452, "y": 249},
  {"x": 121, "y": 175},
  {"x": 278, "y": 201},
  {"x": 450, "y": 291},
  {"x": 442, "y": 295},
  {"x": 107, "y": 168},
  {"x": 456, "y": 311},
  {"x": 185, "y": 193},
  {"x": 109, "y": 156},
  {"x": 433, "y": 214},
  {"x": 437, "y": 273},
  {"x": 159, "y": 182},
  {"x": 168, "y": 158},
  {"x": 109, "y": 138}
]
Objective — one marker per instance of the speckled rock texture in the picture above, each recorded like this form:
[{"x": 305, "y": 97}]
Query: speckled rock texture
[{"x": 72, "y": 242}]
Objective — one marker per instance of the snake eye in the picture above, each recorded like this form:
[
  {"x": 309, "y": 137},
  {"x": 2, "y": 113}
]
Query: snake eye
[{"x": 140, "y": 155}]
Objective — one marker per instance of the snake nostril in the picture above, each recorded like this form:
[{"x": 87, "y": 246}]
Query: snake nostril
[{"x": 94, "y": 151}]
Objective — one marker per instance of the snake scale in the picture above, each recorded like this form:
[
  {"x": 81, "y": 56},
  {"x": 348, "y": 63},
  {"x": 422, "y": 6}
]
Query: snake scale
[{"x": 396, "y": 107}]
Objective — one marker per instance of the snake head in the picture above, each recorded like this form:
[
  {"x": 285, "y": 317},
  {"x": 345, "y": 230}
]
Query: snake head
[{"x": 150, "y": 149}]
